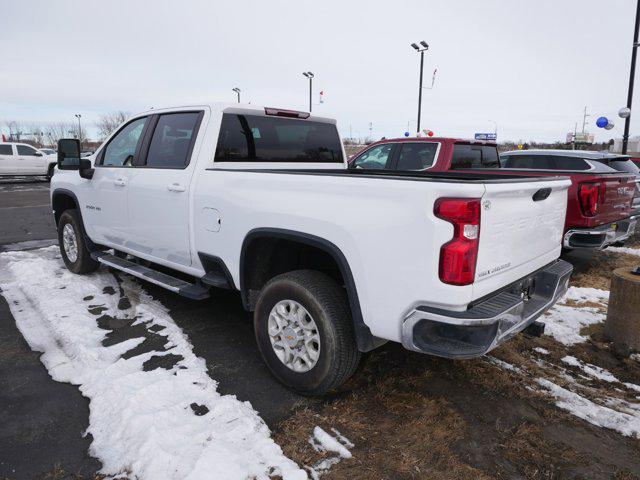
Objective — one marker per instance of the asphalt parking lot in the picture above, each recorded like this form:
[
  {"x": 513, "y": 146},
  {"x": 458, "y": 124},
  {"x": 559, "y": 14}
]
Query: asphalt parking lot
[{"x": 44, "y": 420}]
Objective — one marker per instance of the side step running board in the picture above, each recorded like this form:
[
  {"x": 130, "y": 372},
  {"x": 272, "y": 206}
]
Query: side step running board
[{"x": 194, "y": 291}]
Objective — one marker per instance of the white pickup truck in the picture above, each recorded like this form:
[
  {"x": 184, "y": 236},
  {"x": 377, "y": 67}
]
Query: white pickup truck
[
  {"x": 333, "y": 262},
  {"x": 23, "y": 159}
]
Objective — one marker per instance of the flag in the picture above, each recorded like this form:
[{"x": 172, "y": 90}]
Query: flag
[
  {"x": 321, "y": 96},
  {"x": 4, "y": 139}
]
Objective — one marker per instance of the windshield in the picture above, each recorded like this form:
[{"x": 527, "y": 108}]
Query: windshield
[{"x": 255, "y": 138}]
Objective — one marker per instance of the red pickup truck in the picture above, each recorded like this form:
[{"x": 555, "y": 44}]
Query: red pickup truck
[{"x": 599, "y": 210}]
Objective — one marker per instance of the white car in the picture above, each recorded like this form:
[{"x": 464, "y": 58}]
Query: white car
[
  {"x": 333, "y": 262},
  {"x": 47, "y": 151},
  {"x": 23, "y": 159}
]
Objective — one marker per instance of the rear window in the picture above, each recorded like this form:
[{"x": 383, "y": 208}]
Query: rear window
[
  {"x": 254, "y": 138},
  {"x": 570, "y": 163},
  {"x": 6, "y": 150},
  {"x": 624, "y": 166},
  {"x": 474, "y": 156},
  {"x": 544, "y": 162}
]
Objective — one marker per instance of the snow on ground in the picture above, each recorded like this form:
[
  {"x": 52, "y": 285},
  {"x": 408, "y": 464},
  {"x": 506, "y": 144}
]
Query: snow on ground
[
  {"x": 148, "y": 423},
  {"x": 591, "y": 370},
  {"x": 564, "y": 322},
  {"x": 322, "y": 441},
  {"x": 602, "y": 416},
  {"x": 627, "y": 250},
  {"x": 541, "y": 350}
]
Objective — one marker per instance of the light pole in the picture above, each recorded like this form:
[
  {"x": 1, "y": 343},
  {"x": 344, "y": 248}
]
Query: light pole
[
  {"x": 309, "y": 75},
  {"x": 632, "y": 74},
  {"x": 424, "y": 46},
  {"x": 78, "y": 116},
  {"x": 495, "y": 128},
  {"x": 237, "y": 90}
]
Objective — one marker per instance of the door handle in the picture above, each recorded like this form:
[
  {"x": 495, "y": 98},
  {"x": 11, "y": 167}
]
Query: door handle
[
  {"x": 119, "y": 182},
  {"x": 176, "y": 187}
]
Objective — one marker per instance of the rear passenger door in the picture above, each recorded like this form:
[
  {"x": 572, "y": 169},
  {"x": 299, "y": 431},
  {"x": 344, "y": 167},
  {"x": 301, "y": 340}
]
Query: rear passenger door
[
  {"x": 8, "y": 161},
  {"x": 159, "y": 190},
  {"x": 415, "y": 156}
]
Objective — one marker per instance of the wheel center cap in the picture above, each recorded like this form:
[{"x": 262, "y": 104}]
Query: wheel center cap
[{"x": 290, "y": 336}]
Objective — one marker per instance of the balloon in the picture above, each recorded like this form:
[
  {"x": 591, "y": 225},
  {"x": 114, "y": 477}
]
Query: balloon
[
  {"x": 624, "y": 112},
  {"x": 602, "y": 122},
  {"x": 406, "y": 134},
  {"x": 609, "y": 126}
]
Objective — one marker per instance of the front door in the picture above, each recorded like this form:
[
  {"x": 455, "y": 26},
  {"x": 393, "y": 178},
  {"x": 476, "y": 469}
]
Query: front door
[
  {"x": 30, "y": 161},
  {"x": 159, "y": 189},
  {"x": 105, "y": 212}
]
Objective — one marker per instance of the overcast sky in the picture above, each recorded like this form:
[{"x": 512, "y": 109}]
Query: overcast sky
[{"x": 531, "y": 66}]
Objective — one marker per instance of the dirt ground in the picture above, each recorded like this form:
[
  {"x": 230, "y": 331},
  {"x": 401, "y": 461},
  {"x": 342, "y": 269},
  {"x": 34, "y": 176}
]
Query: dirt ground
[{"x": 413, "y": 416}]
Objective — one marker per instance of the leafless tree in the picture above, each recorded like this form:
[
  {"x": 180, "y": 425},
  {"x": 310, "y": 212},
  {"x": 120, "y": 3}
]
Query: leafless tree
[
  {"x": 109, "y": 122},
  {"x": 15, "y": 130},
  {"x": 56, "y": 131}
]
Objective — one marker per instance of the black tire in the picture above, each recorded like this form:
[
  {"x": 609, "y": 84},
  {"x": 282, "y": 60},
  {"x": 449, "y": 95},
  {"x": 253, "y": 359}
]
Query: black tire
[
  {"x": 83, "y": 262},
  {"x": 326, "y": 302},
  {"x": 49, "y": 174}
]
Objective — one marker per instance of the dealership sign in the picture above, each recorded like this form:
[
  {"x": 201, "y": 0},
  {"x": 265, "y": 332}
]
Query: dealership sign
[{"x": 485, "y": 136}]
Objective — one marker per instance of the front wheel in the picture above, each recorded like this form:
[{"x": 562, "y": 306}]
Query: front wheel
[
  {"x": 305, "y": 333},
  {"x": 73, "y": 246}
]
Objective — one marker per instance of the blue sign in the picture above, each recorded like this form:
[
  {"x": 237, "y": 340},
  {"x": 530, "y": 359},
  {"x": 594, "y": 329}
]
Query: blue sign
[{"x": 485, "y": 136}]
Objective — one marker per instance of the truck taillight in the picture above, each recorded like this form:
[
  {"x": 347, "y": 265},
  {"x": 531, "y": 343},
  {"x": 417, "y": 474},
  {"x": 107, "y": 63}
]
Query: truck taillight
[
  {"x": 458, "y": 256},
  {"x": 281, "y": 112},
  {"x": 589, "y": 194}
]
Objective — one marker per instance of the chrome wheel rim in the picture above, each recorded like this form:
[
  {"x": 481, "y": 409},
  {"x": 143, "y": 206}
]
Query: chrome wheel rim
[
  {"x": 294, "y": 336},
  {"x": 70, "y": 243}
]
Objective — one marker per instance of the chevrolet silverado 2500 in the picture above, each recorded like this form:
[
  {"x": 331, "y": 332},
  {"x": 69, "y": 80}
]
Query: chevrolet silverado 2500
[{"x": 333, "y": 262}]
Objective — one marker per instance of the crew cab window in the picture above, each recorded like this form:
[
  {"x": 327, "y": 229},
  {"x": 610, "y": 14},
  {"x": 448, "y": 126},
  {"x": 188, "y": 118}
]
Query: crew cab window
[
  {"x": 26, "y": 150},
  {"x": 474, "y": 156},
  {"x": 172, "y": 139},
  {"x": 6, "y": 150},
  {"x": 253, "y": 138},
  {"x": 417, "y": 156},
  {"x": 375, "y": 158},
  {"x": 121, "y": 149}
]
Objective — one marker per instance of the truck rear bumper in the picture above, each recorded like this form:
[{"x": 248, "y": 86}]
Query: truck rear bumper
[
  {"x": 602, "y": 236},
  {"x": 487, "y": 324}
]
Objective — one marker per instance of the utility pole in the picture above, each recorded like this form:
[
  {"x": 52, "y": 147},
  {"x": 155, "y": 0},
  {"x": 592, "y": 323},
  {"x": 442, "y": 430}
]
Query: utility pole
[
  {"x": 424, "y": 46},
  {"x": 632, "y": 74},
  {"x": 310, "y": 75},
  {"x": 584, "y": 118},
  {"x": 575, "y": 134}
]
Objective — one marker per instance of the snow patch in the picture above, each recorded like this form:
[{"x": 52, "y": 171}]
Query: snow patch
[
  {"x": 602, "y": 416},
  {"x": 591, "y": 370},
  {"x": 564, "y": 323},
  {"x": 322, "y": 441},
  {"x": 503, "y": 364},
  {"x": 541, "y": 350},
  {"x": 143, "y": 423},
  {"x": 627, "y": 250},
  {"x": 585, "y": 294}
]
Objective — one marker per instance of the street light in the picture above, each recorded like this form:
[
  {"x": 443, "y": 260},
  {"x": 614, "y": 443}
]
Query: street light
[
  {"x": 309, "y": 75},
  {"x": 495, "y": 128},
  {"x": 424, "y": 46},
  {"x": 79, "y": 129},
  {"x": 237, "y": 90},
  {"x": 632, "y": 74}
]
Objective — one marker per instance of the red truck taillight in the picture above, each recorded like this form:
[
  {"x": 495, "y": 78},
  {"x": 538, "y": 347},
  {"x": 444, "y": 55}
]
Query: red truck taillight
[
  {"x": 589, "y": 194},
  {"x": 458, "y": 256}
]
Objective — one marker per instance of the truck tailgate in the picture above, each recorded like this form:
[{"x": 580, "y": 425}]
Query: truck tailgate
[
  {"x": 521, "y": 228},
  {"x": 616, "y": 198}
]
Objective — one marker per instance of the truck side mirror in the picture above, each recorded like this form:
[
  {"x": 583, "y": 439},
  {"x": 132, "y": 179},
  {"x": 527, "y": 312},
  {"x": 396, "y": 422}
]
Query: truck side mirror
[
  {"x": 69, "y": 158},
  {"x": 68, "y": 154}
]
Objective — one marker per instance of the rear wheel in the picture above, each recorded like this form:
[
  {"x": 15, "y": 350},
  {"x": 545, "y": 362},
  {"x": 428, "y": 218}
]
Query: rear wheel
[
  {"x": 305, "y": 332},
  {"x": 73, "y": 247}
]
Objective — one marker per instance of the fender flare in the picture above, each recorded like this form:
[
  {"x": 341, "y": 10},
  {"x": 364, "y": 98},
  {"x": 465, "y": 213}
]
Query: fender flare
[
  {"x": 365, "y": 339},
  {"x": 65, "y": 192}
]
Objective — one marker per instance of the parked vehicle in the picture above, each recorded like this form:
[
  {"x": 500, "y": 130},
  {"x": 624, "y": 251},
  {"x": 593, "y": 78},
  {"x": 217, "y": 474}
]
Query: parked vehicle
[
  {"x": 333, "y": 262},
  {"x": 620, "y": 163},
  {"x": 47, "y": 151},
  {"x": 23, "y": 159},
  {"x": 600, "y": 210}
]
